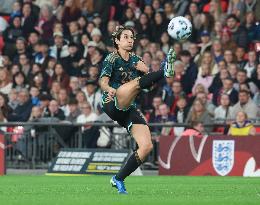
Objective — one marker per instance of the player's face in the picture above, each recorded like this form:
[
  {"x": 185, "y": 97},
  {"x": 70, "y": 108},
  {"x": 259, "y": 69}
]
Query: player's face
[{"x": 126, "y": 41}]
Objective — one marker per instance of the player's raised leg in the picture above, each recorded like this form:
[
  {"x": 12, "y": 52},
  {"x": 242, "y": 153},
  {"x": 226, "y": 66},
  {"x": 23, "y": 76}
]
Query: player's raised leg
[{"x": 127, "y": 92}]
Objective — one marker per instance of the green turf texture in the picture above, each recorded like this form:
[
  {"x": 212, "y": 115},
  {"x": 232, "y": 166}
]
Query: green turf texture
[{"x": 146, "y": 190}]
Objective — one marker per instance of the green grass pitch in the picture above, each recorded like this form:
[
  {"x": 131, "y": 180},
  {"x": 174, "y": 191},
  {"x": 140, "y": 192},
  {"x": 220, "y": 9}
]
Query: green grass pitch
[{"x": 146, "y": 190}]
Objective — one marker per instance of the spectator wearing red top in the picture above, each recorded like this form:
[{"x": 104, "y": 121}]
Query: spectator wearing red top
[{"x": 223, "y": 4}]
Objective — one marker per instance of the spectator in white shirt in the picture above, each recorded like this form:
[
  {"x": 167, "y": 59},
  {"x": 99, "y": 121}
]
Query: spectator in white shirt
[
  {"x": 93, "y": 94},
  {"x": 246, "y": 105},
  {"x": 87, "y": 114},
  {"x": 224, "y": 110}
]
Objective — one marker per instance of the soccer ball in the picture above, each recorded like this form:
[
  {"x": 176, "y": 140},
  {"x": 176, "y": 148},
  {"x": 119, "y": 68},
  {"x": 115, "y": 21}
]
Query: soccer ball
[{"x": 179, "y": 28}]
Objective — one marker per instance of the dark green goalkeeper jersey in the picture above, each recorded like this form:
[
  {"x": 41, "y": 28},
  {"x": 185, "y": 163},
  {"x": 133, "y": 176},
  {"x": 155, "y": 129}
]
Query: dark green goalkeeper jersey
[{"x": 119, "y": 71}]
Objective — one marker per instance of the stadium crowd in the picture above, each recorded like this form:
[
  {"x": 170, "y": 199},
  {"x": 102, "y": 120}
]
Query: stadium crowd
[{"x": 51, "y": 55}]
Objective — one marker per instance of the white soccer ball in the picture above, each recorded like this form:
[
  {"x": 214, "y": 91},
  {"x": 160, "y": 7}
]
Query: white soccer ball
[{"x": 180, "y": 28}]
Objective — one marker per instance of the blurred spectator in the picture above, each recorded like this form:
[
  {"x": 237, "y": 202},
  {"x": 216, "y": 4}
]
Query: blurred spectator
[
  {"x": 11, "y": 34},
  {"x": 44, "y": 103},
  {"x": 74, "y": 32},
  {"x": 256, "y": 76},
  {"x": 20, "y": 81},
  {"x": 2, "y": 119},
  {"x": 96, "y": 36},
  {"x": 60, "y": 76},
  {"x": 252, "y": 5},
  {"x": 63, "y": 100},
  {"x": 210, "y": 107},
  {"x": 242, "y": 78},
  {"x": 40, "y": 81},
  {"x": 56, "y": 9},
  {"x": 167, "y": 91},
  {"x": 16, "y": 9},
  {"x": 182, "y": 109},
  {"x": 87, "y": 114},
  {"x": 157, "y": 101},
  {"x": 71, "y": 12},
  {"x": 177, "y": 92},
  {"x": 53, "y": 111},
  {"x": 160, "y": 25},
  {"x": 251, "y": 27},
  {"x": 60, "y": 47},
  {"x": 246, "y": 105},
  {"x": 43, "y": 55},
  {"x": 4, "y": 107},
  {"x": 204, "y": 78},
  {"x": 29, "y": 18},
  {"x": 206, "y": 43},
  {"x": 256, "y": 100},
  {"x": 208, "y": 60},
  {"x": 169, "y": 10},
  {"x": 217, "y": 30},
  {"x": 55, "y": 89},
  {"x": 74, "y": 110},
  {"x": 92, "y": 94},
  {"x": 23, "y": 111},
  {"x": 223, "y": 112},
  {"x": 242, "y": 126},
  {"x": 240, "y": 57},
  {"x": 236, "y": 7},
  {"x": 227, "y": 41},
  {"x": 180, "y": 6},
  {"x": 5, "y": 81},
  {"x": 239, "y": 34},
  {"x": 83, "y": 47},
  {"x": 164, "y": 117},
  {"x": 143, "y": 25},
  {"x": 227, "y": 89},
  {"x": 223, "y": 5},
  {"x": 73, "y": 87},
  {"x": 72, "y": 63},
  {"x": 34, "y": 92},
  {"x": 12, "y": 99},
  {"x": 251, "y": 64},
  {"x": 190, "y": 71},
  {"x": 199, "y": 113},
  {"x": 46, "y": 22},
  {"x": 81, "y": 98},
  {"x": 36, "y": 114},
  {"x": 217, "y": 82},
  {"x": 217, "y": 50},
  {"x": 179, "y": 70}
]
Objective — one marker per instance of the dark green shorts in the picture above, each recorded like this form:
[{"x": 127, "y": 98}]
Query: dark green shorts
[{"x": 125, "y": 118}]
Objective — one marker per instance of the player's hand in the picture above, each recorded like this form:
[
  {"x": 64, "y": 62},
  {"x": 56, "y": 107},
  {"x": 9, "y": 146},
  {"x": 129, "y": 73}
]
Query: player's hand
[
  {"x": 142, "y": 67},
  {"x": 111, "y": 93}
]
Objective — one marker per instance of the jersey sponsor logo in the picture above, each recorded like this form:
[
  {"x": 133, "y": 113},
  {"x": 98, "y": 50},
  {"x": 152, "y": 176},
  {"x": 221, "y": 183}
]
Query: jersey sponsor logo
[{"x": 223, "y": 156}]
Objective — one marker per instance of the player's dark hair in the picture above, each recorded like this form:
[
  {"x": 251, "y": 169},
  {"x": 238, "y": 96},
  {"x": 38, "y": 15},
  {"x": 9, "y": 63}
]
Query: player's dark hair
[{"x": 118, "y": 32}]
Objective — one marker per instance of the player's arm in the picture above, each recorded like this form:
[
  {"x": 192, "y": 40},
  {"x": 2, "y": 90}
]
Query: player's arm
[{"x": 104, "y": 85}]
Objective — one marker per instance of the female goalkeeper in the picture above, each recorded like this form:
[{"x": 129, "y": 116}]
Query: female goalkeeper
[{"x": 123, "y": 75}]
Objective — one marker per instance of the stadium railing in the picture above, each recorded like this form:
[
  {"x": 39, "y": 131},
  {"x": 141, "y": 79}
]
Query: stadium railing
[{"x": 34, "y": 144}]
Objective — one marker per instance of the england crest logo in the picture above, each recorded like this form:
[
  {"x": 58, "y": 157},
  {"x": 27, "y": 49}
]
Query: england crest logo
[{"x": 223, "y": 156}]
